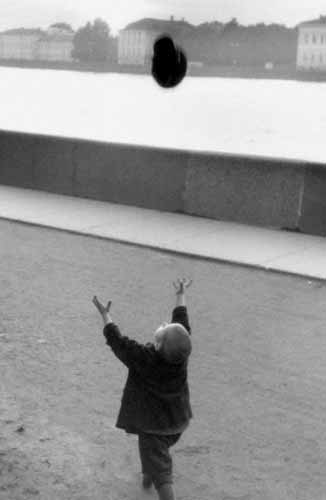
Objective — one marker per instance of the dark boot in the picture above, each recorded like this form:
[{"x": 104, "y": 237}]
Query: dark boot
[
  {"x": 147, "y": 481},
  {"x": 165, "y": 492}
]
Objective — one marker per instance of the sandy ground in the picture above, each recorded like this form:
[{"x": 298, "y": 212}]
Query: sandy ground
[{"x": 257, "y": 373}]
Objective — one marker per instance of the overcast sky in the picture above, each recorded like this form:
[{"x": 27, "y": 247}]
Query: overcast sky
[{"x": 118, "y": 13}]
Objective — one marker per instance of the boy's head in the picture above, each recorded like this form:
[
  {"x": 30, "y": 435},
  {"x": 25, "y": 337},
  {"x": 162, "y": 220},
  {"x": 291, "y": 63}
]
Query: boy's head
[{"x": 173, "y": 341}]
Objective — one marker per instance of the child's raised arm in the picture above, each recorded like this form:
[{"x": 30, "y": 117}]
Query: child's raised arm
[
  {"x": 181, "y": 315},
  {"x": 128, "y": 351},
  {"x": 104, "y": 311},
  {"x": 181, "y": 285}
]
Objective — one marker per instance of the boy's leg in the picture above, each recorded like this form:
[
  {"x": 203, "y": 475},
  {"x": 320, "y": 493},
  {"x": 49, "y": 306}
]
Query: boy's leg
[
  {"x": 147, "y": 479},
  {"x": 165, "y": 492},
  {"x": 157, "y": 462}
]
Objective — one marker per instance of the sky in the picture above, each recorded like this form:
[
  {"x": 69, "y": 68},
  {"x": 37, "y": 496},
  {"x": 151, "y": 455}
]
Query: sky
[{"x": 118, "y": 13}]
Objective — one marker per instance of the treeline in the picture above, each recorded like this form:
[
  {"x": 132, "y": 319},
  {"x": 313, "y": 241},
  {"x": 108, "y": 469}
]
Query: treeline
[
  {"x": 94, "y": 42},
  {"x": 212, "y": 43},
  {"x": 233, "y": 44}
]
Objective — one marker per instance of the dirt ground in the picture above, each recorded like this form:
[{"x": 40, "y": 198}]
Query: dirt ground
[{"x": 257, "y": 373}]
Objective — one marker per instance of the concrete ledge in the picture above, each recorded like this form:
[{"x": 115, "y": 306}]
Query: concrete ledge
[
  {"x": 258, "y": 191},
  {"x": 36, "y": 162},
  {"x": 130, "y": 175},
  {"x": 250, "y": 190},
  {"x": 313, "y": 214}
]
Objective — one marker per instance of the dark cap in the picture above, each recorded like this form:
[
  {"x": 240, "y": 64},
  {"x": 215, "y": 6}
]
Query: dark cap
[{"x": 169, "y": 64}]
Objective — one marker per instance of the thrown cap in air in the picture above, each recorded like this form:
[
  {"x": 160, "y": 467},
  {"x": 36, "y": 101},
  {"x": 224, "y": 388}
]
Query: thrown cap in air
[{"x": 169, "y": 65}]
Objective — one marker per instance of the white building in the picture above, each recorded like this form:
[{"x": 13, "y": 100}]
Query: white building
[
  {"x": 19, "y": 43},
  {"x": 311, "y": 52},
  {"x": 135, "y": 46},
  {"x": 55, "y": 45}
]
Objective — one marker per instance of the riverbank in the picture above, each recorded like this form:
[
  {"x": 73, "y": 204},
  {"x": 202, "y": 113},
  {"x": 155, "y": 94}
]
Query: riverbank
[{"x": 281, "y": 72}]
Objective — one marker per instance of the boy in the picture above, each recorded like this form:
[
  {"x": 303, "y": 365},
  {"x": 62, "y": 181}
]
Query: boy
[{"x": 155, "y": 402}]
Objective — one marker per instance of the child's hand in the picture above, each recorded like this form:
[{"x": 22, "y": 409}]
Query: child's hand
[
  {"x": 100, "y": 307},
  {"x": 181, "y": 285}
]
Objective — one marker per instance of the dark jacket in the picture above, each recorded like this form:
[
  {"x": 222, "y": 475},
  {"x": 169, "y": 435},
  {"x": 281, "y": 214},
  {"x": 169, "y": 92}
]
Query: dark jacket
[{"x": 156, "y": 394}]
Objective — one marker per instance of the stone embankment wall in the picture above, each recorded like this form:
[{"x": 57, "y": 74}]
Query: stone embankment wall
[{"x": 253, "y": 190}]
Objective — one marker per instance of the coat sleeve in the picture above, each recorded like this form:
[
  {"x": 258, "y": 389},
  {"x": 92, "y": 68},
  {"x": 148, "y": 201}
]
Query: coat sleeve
[
  {"x": 180, "y": 315},
  {"x": 129, "y": 352}
]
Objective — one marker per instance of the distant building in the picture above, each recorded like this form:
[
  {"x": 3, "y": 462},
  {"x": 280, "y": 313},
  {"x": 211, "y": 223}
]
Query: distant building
[
  {"x": 135, "y": 45},
  {"x": 55, "y": 45},
  {"x": 311, "y": 51},
  {"x": 19, "y": 43}
]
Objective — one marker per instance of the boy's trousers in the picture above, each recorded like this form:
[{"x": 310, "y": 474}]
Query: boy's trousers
[{"x": 155, "y": 457}]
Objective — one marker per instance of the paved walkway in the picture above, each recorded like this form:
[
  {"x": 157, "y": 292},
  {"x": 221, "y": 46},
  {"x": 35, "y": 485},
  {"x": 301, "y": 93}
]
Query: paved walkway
[
  {"x": 259, "y": 247},
  {"x": 257, "y": 373}
]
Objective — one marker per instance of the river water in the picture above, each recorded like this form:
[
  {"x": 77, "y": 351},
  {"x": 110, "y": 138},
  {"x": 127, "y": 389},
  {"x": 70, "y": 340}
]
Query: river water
[{"x": 256, "y": 117}]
